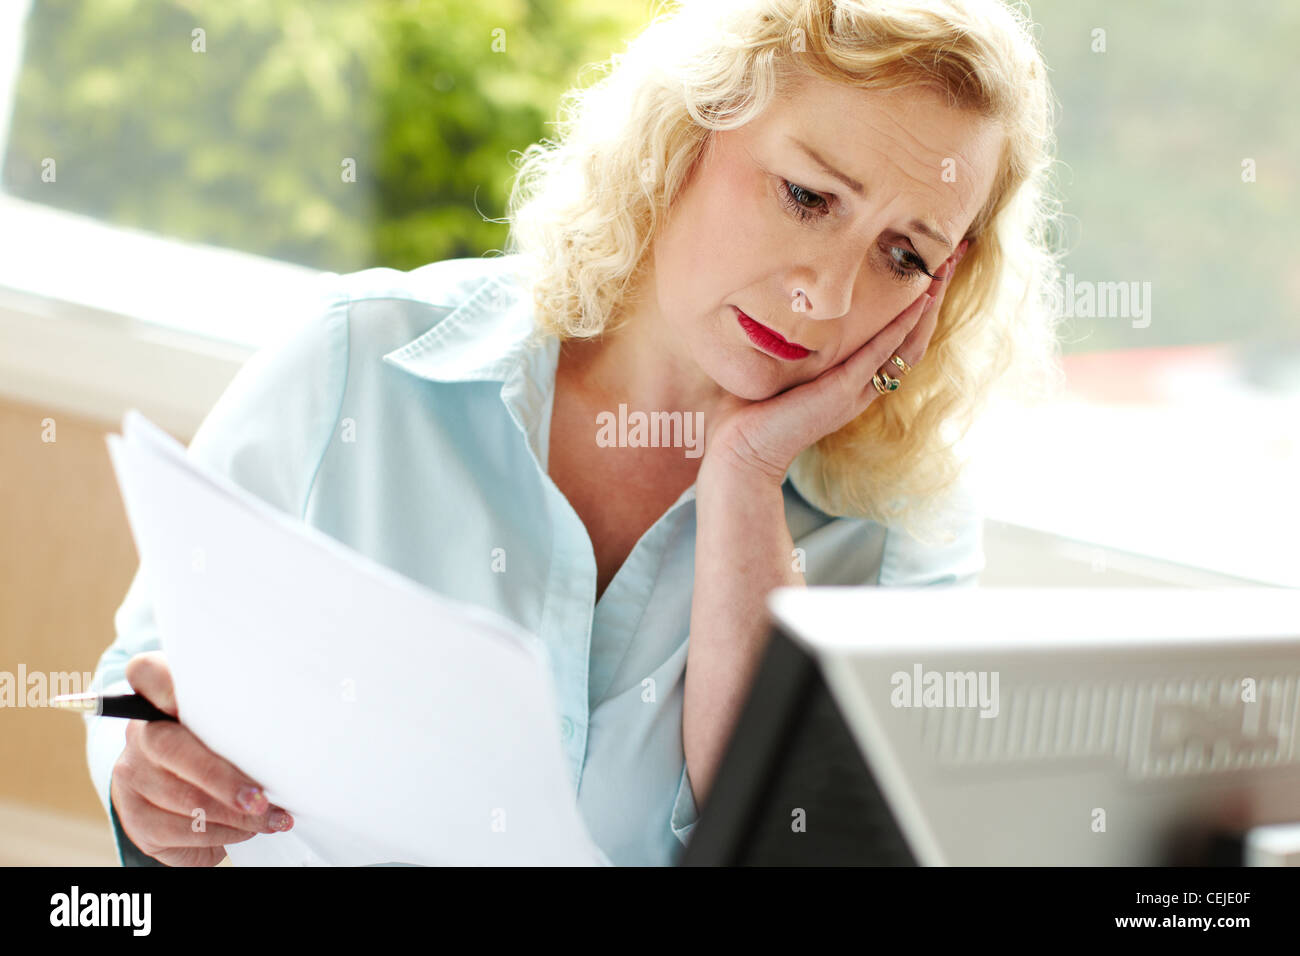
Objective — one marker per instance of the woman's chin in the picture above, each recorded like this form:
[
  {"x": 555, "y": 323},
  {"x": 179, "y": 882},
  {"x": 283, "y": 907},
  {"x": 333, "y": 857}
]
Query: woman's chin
[{"x": 752, "y": 381}]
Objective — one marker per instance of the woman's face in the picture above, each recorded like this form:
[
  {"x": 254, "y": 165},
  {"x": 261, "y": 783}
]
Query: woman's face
[{"x": 762, "y": 216}]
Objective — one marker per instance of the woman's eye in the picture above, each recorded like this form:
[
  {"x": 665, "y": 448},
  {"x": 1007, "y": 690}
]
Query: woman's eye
[
  {"x": 908, "y": 266},
  {"x": 802, "y": 202},
  {"x": 904, "y": 264}
]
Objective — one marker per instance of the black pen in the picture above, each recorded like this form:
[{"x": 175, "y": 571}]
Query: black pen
[{"x": 132, "y": 706}]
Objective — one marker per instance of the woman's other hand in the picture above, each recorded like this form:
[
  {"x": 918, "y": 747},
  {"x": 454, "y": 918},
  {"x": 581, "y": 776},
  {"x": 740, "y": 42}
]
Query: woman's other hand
[{"x": 165, "y": 774}]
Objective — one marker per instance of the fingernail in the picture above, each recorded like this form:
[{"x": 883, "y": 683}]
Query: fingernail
[
  {"x": 252, "y": 799},
  {"x": 280, "y": 820}
]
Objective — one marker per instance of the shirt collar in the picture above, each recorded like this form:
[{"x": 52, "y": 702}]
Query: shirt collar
[
  {"x": 484, "y": 338},
  {"x": 492, "y": 337}
]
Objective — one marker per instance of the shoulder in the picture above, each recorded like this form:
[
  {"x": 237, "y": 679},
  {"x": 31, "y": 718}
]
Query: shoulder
[
  {"x": 388, "y": 308},
  {"x": 853, "y": 551},
  {"x": 952, "y": 554},
  {"x": 350, "y": 315},
  {"x": 270, "y": 427},
  {"x": 446, "y": 283}
]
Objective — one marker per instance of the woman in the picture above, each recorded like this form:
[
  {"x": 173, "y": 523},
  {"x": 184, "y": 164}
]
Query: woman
[{"x": 814, "y": 229}]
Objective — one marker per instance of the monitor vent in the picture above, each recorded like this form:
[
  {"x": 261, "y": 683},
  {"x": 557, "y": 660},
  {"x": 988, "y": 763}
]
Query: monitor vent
[{"x": 1154, "y": 728}]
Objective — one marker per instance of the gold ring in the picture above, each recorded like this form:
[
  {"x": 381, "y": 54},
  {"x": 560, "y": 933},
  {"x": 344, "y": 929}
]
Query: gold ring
[
  {"x": 900, "y": 363},
  {"x": 884, "y": 383}
]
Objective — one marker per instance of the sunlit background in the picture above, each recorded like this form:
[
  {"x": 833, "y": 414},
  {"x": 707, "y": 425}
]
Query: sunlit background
[{"x": 173, "y": 177}]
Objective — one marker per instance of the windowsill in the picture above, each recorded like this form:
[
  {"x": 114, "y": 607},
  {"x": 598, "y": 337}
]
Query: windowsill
[
  {"x": 96, "y": 319},
  {"x": 1208, "y": 481}
]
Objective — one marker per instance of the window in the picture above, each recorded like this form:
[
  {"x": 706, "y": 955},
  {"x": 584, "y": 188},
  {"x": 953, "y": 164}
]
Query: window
[{"x": 1181, "y": 434}]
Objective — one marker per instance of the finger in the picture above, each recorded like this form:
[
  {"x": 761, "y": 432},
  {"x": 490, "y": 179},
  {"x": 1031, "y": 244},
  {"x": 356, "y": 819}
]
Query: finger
[
  {"x": 193, "y": 856},
  {"x": 154, "y": 829},
  {"x": 864, "y": 363},
  {"x": 164, "y": 789},
  {"x": 914, "y": 344},
  {"x": 943, "y": 275},
  {"x": 177, "y": 749},
  {"x": 149, "y": 675},
  {"x": 918, "y": 339}
]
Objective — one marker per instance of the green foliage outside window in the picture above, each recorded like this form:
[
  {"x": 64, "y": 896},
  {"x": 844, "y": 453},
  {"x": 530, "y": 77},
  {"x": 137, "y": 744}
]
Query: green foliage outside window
[{"x": 244, "y": 145}]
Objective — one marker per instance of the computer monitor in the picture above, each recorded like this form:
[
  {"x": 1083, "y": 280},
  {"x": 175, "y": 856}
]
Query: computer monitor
[{"x": 1012, "y": 726}]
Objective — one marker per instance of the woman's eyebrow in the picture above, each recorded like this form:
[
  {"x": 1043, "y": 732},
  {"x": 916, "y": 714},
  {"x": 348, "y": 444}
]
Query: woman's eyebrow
[
  {"x": 861, "y": 192},
  {"x": 858, "y": 189}
]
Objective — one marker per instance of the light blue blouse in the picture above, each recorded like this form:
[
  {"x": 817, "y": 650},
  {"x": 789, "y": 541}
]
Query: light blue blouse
[{"x": 407, "y": 415}]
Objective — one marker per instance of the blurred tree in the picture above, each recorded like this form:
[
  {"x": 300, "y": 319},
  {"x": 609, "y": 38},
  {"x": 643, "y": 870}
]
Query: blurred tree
[{"x": 335, "y": 134}]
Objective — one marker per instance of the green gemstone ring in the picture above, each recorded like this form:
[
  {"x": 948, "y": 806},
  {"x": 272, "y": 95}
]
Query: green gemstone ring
[{"x": 884, "y": 382}]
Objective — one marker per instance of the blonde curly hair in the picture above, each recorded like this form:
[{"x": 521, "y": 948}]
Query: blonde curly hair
[{"x": 585, "y": 208}]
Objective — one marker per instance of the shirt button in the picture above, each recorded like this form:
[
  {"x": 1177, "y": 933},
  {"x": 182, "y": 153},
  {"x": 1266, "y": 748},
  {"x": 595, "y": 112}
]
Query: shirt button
[{"x": 566, "y": 728}]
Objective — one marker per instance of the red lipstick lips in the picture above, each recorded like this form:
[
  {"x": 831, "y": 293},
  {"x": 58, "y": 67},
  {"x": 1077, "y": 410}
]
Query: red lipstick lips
[{"x": 771, "y": 341}]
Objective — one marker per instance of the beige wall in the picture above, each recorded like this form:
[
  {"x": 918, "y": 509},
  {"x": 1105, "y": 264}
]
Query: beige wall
[{"x": 66, "y": 563}]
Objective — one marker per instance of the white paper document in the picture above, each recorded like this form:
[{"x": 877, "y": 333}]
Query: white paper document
[{"x": 394, "y": 724}]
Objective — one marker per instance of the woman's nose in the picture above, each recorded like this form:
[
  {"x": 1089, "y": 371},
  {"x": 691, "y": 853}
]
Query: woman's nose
[
  {"x": 825, "y": 300},
  {"x": 823, "y": 287}
]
